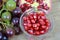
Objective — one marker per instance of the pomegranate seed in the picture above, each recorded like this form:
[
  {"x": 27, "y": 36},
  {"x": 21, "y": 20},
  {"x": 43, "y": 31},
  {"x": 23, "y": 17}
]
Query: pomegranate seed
[
  {"x": 43, "y": 17},
  {"x": 48, "y": 24},
  {"x": 24, "y": 18},
  {"x": 30, "y": 1},
  {"x": 42, "y": 13},
  {"x": 41, "y": 20},
  {"x": 38, "y": 24},
  {"x": 25, "y": 7},
  {"x": 29, "y": 25},
  {"x": 40, "y": 1},
  {"x": 26, "y": 28},
  {"x": 34, "y": 25},
  {"x": 27, "y": 18},
  {"x": 25, "y": 24},
  {"x": 33, "y": 21},
  {"x": 42, "y": 32},
  {"x": 42, "y": 23},
  {"x": 28, "y": 21},
  {"x": 39, "y": 17},
  {"x": 37, "y": 33},
  {"x": 30, "y": 31},
  {"x": 36, "y": 28},
  {"x": 31, "y": 17},
  {"x": 46, "y": 6},
  {"x": 43, "y": 27}
]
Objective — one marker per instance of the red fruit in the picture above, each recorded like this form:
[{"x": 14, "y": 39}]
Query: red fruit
[
  {"x": 46, "y": 6},
  {"x": 30, "y": 31},
  {"x": 42, "y": 13},
  {"x": 42, "y": 23},
  {"x": 35, "y": 26},
  {"x": 43, "y": 27},
  {"x": 24, "y": 18},
  {"x": 32, "y": 21},
  {"x": 29, "y": 25},
  {"x": 31, "y": 17},
  {"x": 48, "y": 24},
  {"x": 40, "y": 7},
  {"x": 25, "y": 24},
  {"x": 35, "y": 16},
  {"x": 25, "y": 7},
  {"x": 28, "y": 21},
  {"x": 30, "y": 1},
  {"x": 41, "y": 20},
  {"x": 43, "y": 17},
  {"x": 26, "y": 28},
  {"x": 37, "y": 23},
  {"x": 40, "y": 1},
  {"x": 37, "y": 33},
  {"x": 42, "y": 32}
]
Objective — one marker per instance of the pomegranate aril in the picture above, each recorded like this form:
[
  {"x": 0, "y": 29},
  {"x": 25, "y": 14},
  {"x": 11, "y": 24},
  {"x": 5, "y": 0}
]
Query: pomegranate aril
[
  {"x": 43, "y": 17},
  {"x": 36, "y": 28},
  {"x": 45, "y": 6},
  {"x": 42, "y": 23},
  {"x": 31, "y": 17},
  {"x": 48, "y": 24},
  {"x": 30, "y": 1},
  {"x": 29, "y": 25},
  {"x": 26, "y": 28},
  {"x": 42, "y": 32},
  {"x": 25, "y": 7},
  {"x": 24, "y": 18},
  {"x": 25, "y": 24},
  {"x": 40, "y": 1},
  {"x": 37, "y": 33},
  {"x": 38, "y": 24},
  {"x": 32, "y": 21},
  {"x": 34, "y": 25},
  {"x": 42, "y": 13},
  {"x": 30, "y": 31},
  {"x": 43, "y": 27},
  {"x": 28, "y": 21},
  {"x": 41, "y": 20},
  {"x": 40, "y": 7}
]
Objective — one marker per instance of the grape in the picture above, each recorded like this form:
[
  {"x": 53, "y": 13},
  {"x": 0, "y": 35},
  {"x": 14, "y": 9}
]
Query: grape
[
  {"x": 6, "y": 16},
  {"x": 15, "y": 21},
  {"x": 11, "y": 5},
  {"x": 17, "y": 12}
]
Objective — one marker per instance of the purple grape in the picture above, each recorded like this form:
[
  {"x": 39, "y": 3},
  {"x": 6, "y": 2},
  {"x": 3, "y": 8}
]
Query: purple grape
[
  {"x": 1, "y": 35},
  {"x": 5, "y": 37},
  {"x": 10, "y": 32},
  {"x": 15, "y": 21},
  {"x": 17, "y": 30},
  {"x": 17, "y": 12}
]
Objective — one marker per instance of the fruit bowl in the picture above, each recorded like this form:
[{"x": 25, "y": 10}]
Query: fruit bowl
[{"x": 32, "y": 11}]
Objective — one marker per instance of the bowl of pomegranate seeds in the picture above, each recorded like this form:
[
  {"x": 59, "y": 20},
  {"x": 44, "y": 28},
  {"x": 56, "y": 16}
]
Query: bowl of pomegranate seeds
[{"x": 36, "y": 22}]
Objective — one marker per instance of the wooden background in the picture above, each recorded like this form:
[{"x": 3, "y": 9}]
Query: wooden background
[{"x": 55, "y": 34}]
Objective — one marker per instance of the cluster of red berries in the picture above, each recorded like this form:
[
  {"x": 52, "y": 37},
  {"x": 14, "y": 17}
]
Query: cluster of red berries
[{"x": 36, "y": 23}]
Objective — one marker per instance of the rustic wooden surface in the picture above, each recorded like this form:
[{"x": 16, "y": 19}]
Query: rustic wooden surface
[{"x": 55, "y": 34}]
